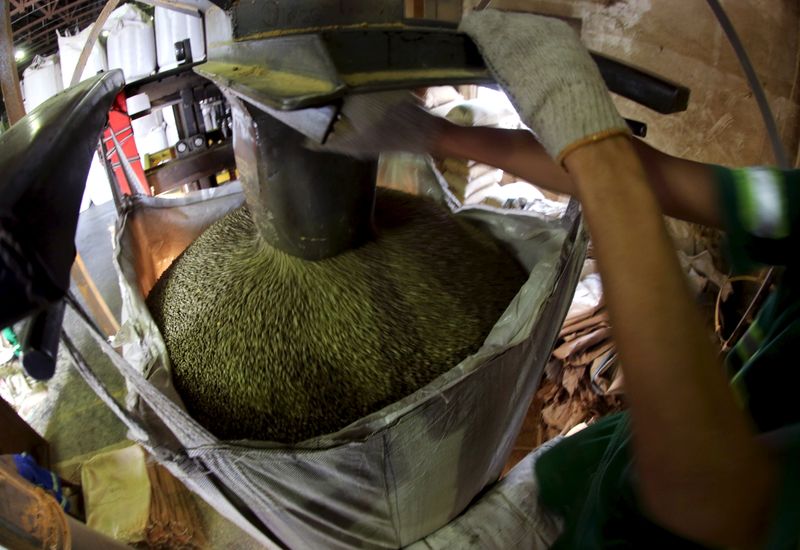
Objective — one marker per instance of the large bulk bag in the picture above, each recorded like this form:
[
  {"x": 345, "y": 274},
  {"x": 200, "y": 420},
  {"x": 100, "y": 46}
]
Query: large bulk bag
[
  {"x": 388, "y": 479},
  {"x": 131, "y": 42},
  {"x": 150, "y": 130},
  {"x": 41, "y": 81},
  {"x": 69, "y": 50},
  {"x": 173, "y": 26}
]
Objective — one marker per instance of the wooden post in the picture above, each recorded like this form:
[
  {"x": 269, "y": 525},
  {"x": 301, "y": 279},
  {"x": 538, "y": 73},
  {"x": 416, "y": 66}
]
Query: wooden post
[
  {"x": 9, "y": 78},
  {"x": 94, "y": 34},
  {"x": 94, "y": 300},
  {"x": 18, "y": 437},
  {"x": 438, "y": 10},
  {"x": 415, "y": 9}
]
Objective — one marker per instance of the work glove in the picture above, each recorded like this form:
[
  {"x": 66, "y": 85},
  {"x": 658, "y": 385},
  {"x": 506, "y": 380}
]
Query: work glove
[
  {"x": 549, "y": 76},
  {"x": 370, "y": 124}
]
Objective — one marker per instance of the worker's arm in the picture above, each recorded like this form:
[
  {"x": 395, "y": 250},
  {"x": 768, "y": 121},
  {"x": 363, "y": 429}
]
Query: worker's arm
[
  {"x": 701, "y": 472},
  {"x": 686, "y": 190}
]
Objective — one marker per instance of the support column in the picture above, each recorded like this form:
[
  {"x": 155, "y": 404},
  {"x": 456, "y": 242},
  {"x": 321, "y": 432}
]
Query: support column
[{"x": 9, "y": 78}]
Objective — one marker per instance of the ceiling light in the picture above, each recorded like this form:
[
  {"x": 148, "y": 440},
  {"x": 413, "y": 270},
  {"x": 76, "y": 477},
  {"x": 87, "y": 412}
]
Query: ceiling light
[{"x": 19, "y": 55}]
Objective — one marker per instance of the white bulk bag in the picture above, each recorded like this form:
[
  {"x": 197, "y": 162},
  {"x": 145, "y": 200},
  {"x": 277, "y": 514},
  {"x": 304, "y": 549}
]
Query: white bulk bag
[
  {"x": 41, "y": 81},
  {"x": 150, "y": 130},
  {"x": 388, "y": 479},
  {"x": 173, "y": 26},
  {"x": 150, "y": 133},
  {"x": 131, "y": 42},
  {"x": 69, "y": 50}
]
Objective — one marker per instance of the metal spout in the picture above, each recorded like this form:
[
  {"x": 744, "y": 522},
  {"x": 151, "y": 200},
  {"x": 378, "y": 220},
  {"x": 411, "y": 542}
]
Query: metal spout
[{"x": 306, "y": 203}]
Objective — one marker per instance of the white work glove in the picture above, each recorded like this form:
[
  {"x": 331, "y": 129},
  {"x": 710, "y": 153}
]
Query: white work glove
[
  {"x": 371, "y": 124},
  {"x": 549, "y": 77}
]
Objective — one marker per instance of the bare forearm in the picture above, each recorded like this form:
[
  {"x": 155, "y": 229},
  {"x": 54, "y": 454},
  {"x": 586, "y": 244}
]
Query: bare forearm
[
  {"x": 684, "y": 189},
  {"x": 514, "y": 151},
  {"x": 694, "y": 448}
]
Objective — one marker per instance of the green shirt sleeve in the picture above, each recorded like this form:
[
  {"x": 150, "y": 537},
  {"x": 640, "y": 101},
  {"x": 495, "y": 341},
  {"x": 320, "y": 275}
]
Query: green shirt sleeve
[
  {"x": 761, "y": 213},
  {"x": 785, "y": 528}
]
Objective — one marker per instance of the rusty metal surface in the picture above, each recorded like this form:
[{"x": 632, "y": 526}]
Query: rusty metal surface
[
  {"x": 307, "y": 70},
  {"x": 311, "y": 69},
  {"x": 285, "y": 73}
]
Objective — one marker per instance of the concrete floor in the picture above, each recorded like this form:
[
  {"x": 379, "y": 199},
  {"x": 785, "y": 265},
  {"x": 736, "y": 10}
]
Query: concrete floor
[{"x": 72, "y": 418}]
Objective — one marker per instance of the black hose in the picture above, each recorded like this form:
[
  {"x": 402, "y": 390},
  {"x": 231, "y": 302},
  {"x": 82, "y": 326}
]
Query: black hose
[
  {"x": 758, "y": 91},
  {"x": 777, "y": 148}
]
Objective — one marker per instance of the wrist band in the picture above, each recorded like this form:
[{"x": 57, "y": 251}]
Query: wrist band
[{"x": 591, "y": 138}]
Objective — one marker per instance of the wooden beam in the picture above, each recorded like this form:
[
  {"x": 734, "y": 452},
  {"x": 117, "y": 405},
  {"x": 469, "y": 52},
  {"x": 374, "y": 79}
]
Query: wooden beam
[
  {"x": 9, "y": 78},
  {"x": 94, "y": 300},
  {"x": 57, "y": 11},
  {"x": 93, "y": 36},
  {"x": 22, "y": 5},
  {"x": 192, "y": 167},
  {"x": 48, "y": 9},
  {"x": 414, "y": 9}
]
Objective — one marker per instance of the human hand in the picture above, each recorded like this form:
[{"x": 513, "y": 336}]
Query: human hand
[{"x": 549, "y": 76}]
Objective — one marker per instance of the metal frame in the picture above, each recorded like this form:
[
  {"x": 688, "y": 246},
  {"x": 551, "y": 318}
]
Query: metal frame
[{"x": 35, "y": 22}]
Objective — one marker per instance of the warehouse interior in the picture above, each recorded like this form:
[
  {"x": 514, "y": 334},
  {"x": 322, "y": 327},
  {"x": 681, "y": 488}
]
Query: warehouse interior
[{"x": 240, "y": 311}]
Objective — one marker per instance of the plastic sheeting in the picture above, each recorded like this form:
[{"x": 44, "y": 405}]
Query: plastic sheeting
[
  {"x": 508, "y": 516},
  {"x": 388, "y": 479}
]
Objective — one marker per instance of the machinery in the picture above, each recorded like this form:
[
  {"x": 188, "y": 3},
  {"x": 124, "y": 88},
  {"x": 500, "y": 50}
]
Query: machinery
[{"x": 288, "y": 72}]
